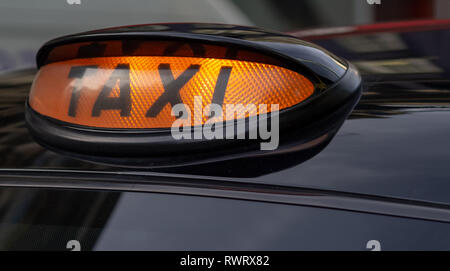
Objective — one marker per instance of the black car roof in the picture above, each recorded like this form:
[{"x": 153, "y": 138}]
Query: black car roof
[{"x": 395, "y": 143}]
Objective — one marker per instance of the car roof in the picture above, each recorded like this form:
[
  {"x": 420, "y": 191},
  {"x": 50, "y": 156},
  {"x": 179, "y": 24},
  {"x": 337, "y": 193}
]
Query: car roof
[{"x": 394, "y": 144}]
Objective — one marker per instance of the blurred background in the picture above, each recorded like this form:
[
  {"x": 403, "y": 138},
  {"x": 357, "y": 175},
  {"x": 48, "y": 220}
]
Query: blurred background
[{"x": 25, "y": 25}]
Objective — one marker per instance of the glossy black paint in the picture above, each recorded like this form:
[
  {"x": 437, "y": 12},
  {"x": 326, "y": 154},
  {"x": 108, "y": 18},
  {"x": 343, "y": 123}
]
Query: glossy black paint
[
  {"x": 393, "y": 148},
  {"x": 147, "y": 221},
  {"x": 319, "y": 116}
]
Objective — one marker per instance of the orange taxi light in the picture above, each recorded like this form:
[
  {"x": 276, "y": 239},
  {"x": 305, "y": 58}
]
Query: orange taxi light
[{"x": 140, "y": 91}]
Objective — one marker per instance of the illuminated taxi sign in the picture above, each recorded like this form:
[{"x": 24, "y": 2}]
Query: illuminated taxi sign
[
  {"x": 140, "y": 92},
  {"x": 116, "y": 95}
]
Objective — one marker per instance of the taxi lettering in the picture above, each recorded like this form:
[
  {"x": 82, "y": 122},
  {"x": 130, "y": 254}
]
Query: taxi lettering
[{"x": 123, "y": 103}]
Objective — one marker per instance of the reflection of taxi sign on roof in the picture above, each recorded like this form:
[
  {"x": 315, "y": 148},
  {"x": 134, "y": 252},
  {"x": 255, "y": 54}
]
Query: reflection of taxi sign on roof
[{"x": 110, "y": 95}]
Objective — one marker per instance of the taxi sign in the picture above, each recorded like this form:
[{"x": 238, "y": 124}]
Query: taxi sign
[
  {"x": 180, "y": 94},
  {"x": 140, "y": 91}
]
